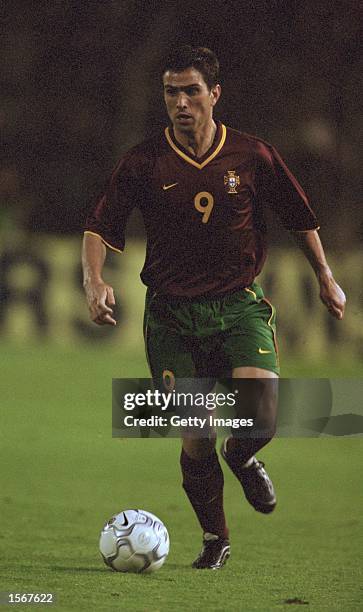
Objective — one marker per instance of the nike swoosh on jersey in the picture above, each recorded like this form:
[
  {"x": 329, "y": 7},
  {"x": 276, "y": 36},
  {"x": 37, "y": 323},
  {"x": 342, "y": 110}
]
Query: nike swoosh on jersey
[
  {"x": 165, "y": 187},
  {"x": 263, "y": 352}
]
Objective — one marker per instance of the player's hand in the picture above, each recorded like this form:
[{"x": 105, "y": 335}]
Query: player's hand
[
  {"x": 332, "y": 296},
  {"x": 100, "y": 298}
]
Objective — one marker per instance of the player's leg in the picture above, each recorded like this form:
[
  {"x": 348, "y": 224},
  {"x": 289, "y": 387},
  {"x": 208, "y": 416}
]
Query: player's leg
[
  {"x": 258, "y": 392},
  {"x": 257, "y": 399},
  {"x": 250, "y": 348},
  {"x": 171, "y": 361},
  {"x": 203, "y": 483}
]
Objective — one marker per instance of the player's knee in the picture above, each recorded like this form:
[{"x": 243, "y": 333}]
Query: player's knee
[
  {"x": 262, "y": 429},
  {"x": 199, "y": 448}
]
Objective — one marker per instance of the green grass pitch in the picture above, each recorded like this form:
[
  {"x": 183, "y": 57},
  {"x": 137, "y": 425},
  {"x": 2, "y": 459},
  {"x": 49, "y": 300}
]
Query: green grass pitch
[{"x": 62, "y": 476}]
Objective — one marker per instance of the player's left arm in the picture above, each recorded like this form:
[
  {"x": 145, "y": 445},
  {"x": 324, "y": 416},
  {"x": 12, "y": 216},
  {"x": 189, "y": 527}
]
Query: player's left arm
[{"x": 330, "y": 293}]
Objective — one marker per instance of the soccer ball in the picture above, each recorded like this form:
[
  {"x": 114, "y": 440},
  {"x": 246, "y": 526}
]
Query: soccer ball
[{"x": 134, "y": 541}]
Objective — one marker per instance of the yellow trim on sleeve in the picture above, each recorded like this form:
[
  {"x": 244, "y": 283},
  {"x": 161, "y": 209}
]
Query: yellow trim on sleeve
[
  {"x": 314, "y": 229},
  {"x": 104, "y": 241},
  {"x": 189, "y": 159}
]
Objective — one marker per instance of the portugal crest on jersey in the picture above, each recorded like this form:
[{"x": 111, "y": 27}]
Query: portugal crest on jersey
[{"x": 231, "y": 180}]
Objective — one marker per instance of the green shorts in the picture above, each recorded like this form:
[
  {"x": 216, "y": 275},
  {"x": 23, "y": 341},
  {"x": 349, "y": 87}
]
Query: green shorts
[{"x": 209, "y": 337}]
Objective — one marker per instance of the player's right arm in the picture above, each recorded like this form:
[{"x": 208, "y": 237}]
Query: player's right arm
[
  {"x": 105, "y": 227},
  {"x": 99, "y": 294}
]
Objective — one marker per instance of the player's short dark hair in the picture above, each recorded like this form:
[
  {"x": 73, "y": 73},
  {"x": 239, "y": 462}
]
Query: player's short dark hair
[{"x": 200, "y": 58}]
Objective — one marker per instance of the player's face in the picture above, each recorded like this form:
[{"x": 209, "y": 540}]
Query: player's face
[{"x": 188, "y": 99}]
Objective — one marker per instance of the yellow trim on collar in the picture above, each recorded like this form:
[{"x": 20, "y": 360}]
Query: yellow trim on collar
[{"x": 189, "y": 159}]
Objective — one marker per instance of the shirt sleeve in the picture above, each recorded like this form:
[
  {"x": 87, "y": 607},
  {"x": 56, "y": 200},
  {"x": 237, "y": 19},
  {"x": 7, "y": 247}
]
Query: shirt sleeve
[
  {"x": 108, "y": 217},
  {"x": 279, "y": 189}
]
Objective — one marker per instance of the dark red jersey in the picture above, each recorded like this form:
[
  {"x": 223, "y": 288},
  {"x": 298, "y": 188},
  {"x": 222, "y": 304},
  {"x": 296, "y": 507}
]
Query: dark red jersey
[{"x": 204, "y": 217}]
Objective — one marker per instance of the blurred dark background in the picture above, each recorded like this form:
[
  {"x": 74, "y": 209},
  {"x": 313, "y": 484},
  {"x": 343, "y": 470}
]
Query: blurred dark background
[{"x": 80, "y": 85}]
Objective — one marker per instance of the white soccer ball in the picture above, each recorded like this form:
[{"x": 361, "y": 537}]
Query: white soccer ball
[{"x": 134, "y": 541}]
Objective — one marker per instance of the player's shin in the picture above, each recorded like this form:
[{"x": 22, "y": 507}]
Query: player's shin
[
  {"x": 203, "y": 483},
  {"x": 257, "y": 400}
]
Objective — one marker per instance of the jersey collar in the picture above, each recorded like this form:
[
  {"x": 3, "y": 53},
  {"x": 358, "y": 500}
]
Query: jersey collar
[{"x": 217, "y": 145}]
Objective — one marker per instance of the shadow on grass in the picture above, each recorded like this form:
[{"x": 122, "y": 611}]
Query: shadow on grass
[
  {"x": 70, "y": 568},
  {"x": 104, "y": 570}
]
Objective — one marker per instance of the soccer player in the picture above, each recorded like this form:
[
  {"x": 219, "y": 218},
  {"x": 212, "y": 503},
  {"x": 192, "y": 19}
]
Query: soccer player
[{"x": 202, "y": 189}]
